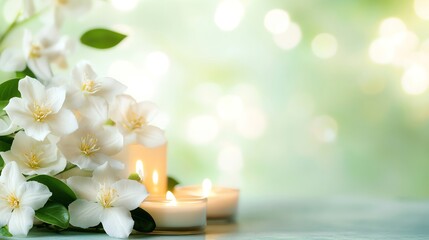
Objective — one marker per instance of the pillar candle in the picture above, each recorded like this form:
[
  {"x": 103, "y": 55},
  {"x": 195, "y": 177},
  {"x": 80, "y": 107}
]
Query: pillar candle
[{"x": 154, "y": 161}]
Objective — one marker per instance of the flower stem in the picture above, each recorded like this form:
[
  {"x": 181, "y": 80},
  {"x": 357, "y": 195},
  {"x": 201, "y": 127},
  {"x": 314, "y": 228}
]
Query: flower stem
[
  {"x": 17, "y": 23},
  {"x": 68, "y": 168},
  {"x": 10, "y": 28}
]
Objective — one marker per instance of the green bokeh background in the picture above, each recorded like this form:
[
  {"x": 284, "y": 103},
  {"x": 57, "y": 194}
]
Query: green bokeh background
[{"x": 381, "y": 145}]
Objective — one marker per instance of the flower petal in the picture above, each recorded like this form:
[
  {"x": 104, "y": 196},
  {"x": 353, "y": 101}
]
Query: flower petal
[
  {"x": 19, "y": 113},
  {"x": 96, "y": 113},
  {"x": 12, "y": 60},
  {"x": 28, "y": 8},
  {"x": 55, "y": 167},
  {"x": 146, "y": 109},
  {"x": 110, "y": 140},
  {"x": 11, "y": 177},
  {"x": 31, "y": 89},
  {"x": 58, "y": 16},
  {"x": 33, "y": 194},
  {"x": 5, "y": 212},
  {"x": 21, "y": 221},
  {"x": 84, "y": 187},
  {"x": 105, "y": 174},
  {"x": 37, "y": 130},
  {"x": 82, "y": 72},
  {"x": 40, "y": 67},
  {"x": 130, "y": 193},
  {"x": 130, "y": 138},
  {"x": 64, "y": 122},
  {"x": 84, "y": 162},
  {"x": 85, "y": 214},
  {"x": 7, "y": 126},
  {"x": 55, "y": 97},
  {"x": 120, "y": 107},
  {"x": 110, "y": 88},
  {"x": 117, "y": 222},
  {"x": 151, "y": 136},
  {"x": 21, "y": 143}
]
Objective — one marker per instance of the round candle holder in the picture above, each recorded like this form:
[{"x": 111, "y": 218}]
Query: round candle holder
[
  {"x": 186, "y": 215},
  {"x": 222, "y": 202}
]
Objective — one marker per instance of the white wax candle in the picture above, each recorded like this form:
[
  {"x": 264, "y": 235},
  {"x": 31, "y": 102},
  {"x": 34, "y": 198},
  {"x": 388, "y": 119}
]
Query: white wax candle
[
  {"x": 153, "y": 166},
  {"x": 222, "y": 202},
  {"x": 185, "y": 213}
]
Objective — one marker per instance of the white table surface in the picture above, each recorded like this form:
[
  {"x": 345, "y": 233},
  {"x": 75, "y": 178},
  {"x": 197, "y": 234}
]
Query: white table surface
[{"x": 340, "y": 218}]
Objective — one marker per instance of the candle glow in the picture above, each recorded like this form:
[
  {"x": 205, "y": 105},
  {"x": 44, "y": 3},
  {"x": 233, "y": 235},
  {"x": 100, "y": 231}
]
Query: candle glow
[
  {"x": 171, "y": 198},
  {"x": 139, "y": 168},
  {"x": 207, "y": 187},
  {"x": 155, "y": 177}
]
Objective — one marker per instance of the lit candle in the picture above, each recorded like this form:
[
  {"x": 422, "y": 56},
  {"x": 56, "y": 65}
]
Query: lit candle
[
  {"x": 222, "y": 202},
  {"x": 139, "y": 168},
  {"x": 152, "y": 164},
  {"x": 184, "y": 214}
]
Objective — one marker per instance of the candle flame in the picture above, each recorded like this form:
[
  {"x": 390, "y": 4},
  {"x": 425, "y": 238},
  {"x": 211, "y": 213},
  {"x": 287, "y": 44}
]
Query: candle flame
[
  {"x": 207, "y": 187},
  {"x": 170, "y": 197},
  {"x": 139, "y": 169},
  {"x": 155, "y": 177}
]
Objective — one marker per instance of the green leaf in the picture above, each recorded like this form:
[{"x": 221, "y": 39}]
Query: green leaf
[
  {"x": 171, "y": 183},
  {"x": 5, "y": 232},
  {"x": 61, "y": 193},
  {"x": 143, "y": 221},
  {"x": 3, "y": 103},
  {"x": 9, "y": 89},
  {"x": 5, "y": 144},
  {"x": 54, "y": 214},
  {"x": 25, "y": 72},
  {"x": 101, "y": 38}
]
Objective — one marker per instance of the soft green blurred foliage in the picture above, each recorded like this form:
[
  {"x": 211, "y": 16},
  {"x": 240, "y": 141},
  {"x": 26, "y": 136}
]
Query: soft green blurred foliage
[{"x": 379, "y": 133}]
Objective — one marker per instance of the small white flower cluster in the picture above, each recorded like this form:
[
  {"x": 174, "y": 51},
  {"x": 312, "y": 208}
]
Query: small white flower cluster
[{"x": 82, "y": 121}]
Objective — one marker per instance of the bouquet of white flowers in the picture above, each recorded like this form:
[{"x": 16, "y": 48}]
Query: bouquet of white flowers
[{"x": 51, "y": 124}]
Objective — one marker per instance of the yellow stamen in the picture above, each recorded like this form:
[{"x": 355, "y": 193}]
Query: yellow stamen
[
  {"x": 90, "y": 86},
  {"x": 33, "y": 160},
  {"x": 134, "y": 122},
  {"x": 35, "y": 51},
  {"x": 106, "y": 196},
  {"x": 88, "y": 145},
  {"x": 13, "y": 201},
  {"x": 40, "y": 112}
]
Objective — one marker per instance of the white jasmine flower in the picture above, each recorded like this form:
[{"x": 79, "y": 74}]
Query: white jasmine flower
[
  {"x": 39, "y": 110},
  {"x": 20, "y": 9},
  {"x": 106, "y": 199},
  {"x": 19, "y": 199},
  {"x": 86, "y": 87},
  {"x": 89, "y": 148},
  {"x": 70, "y": 8},
  {"x": 37, "y": 52},
  {"x": 6, "y": 126},
  {"x": 134, "y": 120},
  {"x": 35, "y": 157}
]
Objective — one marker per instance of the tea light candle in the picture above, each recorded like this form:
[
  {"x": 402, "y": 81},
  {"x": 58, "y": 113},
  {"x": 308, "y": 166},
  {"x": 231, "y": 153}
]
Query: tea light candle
[
  {"x": 186, "y": 213},
  {"x": 222, "y": 202}
]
